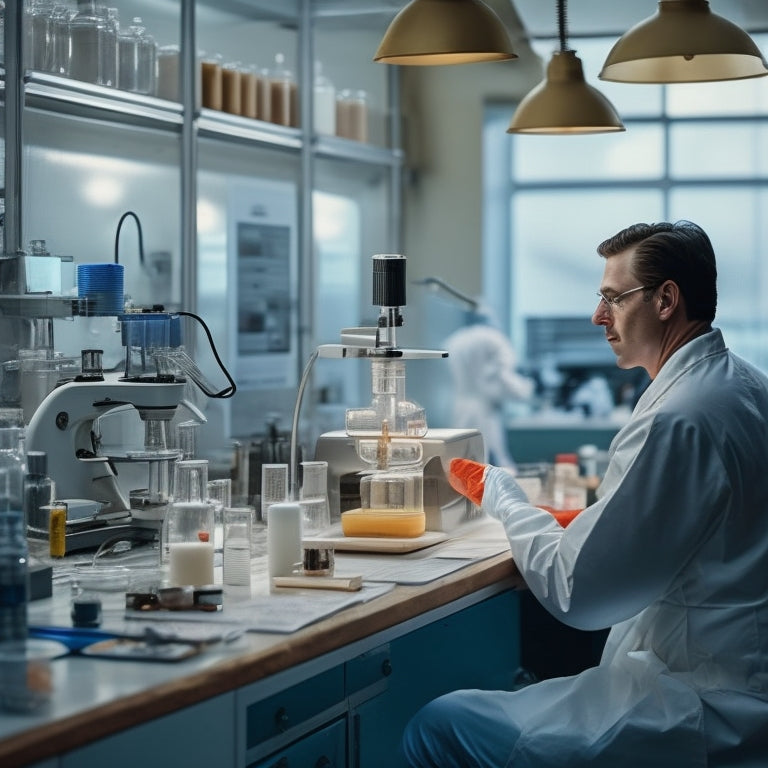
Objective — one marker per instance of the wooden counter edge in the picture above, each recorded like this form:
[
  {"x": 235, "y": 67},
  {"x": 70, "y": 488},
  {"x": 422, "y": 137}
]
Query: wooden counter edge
[{"x": 355, "y": 623}]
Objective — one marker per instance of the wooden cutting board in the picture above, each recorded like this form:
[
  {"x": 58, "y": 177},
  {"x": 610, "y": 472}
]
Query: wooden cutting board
[{"x": 341, "y": 543}]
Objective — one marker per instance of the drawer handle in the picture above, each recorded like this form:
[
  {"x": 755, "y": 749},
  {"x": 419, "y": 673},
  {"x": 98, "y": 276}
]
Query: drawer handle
[
  {"x": 386, "y": 667},
  {"x": 282, "y": 721},
  {"x": 323, "y": 762}
]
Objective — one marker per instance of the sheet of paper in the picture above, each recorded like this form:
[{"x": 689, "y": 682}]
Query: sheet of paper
[
  {"x": 281, "y": 611},
  {"x": 397, "y": 569}
]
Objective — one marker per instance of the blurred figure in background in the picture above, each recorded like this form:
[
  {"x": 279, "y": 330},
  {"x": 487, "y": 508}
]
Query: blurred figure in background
[{"x": 482, "y": 363}]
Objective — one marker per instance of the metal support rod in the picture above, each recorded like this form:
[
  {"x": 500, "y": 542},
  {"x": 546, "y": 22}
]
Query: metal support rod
[
  {"x": 14, "y": 109},
  {"x": 188, "y": 159}
]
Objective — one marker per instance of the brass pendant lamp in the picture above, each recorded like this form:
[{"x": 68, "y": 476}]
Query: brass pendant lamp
[
  {"x": 428, "y": 32},
  {"x": 563, "y": 103},
  {"x": 684, "y": 42}
]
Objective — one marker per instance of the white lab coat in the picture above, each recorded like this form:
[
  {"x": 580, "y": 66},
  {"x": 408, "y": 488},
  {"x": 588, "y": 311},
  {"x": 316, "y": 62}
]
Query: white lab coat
[{"x": 673, "y": 556}]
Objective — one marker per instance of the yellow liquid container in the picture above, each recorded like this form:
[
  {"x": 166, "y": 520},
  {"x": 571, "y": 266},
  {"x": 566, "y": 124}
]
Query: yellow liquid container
[{"x": 391, "y": 505}]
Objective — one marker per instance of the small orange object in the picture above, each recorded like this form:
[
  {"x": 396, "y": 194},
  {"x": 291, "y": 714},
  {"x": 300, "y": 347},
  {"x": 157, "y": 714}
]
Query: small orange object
[
  {"x": 203, "y": 536},
  {"x": 466, "y": 478},
  {"x": 563, "y": 516}
]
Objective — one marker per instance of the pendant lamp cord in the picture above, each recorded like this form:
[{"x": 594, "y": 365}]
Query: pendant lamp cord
[{"x": 562, "y": 25}]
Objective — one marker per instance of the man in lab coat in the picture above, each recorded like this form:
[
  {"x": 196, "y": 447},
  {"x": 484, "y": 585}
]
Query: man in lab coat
[{"x": 673, "y": 555}]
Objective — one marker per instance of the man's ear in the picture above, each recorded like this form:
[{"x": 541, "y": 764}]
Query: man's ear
[{"x": 668, "y": 298}]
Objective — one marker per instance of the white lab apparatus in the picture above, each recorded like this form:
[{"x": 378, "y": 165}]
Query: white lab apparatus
[{"x": 283, "y": 538}]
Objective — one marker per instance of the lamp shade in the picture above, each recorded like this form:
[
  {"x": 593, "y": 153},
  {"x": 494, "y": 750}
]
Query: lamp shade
[
  {"x": 564, "y": 103},
  {"x": 445, "y": 32},
  {"x": 684, "y": 42}
]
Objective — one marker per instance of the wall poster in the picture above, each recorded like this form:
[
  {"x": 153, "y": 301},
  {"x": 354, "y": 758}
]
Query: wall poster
[{"x": 262, "y": 258}]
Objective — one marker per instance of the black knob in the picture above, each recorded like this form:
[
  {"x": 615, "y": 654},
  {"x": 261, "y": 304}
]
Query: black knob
[
  {"x": 281, "y": 719},
  {"x": 386, "y": 667},
  {"x": 389, "y": 280}
]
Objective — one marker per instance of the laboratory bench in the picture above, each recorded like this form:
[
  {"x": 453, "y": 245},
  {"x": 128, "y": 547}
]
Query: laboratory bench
[{"x": 336, "y": 692}]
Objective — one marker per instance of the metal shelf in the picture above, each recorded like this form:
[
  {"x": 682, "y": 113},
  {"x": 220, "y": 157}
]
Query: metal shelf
[{"x": 73, "y": 97}]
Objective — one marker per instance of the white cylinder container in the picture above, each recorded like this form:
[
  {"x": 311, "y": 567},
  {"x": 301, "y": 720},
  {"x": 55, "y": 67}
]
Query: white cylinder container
[{"x": 283, "y": 538}]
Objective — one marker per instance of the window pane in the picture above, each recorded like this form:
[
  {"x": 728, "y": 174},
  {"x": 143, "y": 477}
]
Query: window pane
[
  {"x": 556, "y": 269},
  {"x": 740, "y": 245},
  {"x": 746, "y": 155},
  {"x": 636, "y": 154}
]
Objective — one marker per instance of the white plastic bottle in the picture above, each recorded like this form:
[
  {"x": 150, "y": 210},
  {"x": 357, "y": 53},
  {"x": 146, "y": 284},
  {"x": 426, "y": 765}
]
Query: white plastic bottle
[
  {"x": 283, "y": 538},
  {"x": 324, "y": 104}
]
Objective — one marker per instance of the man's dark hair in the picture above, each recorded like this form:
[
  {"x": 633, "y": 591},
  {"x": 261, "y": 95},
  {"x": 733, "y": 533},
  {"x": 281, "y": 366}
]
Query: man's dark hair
[{"x": 681, "y": 252}]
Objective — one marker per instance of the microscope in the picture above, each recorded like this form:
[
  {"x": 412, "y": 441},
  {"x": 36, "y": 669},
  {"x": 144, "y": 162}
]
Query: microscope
[
  {"x": 97, "y": 482},
  {"x": 387, "y": 454}
]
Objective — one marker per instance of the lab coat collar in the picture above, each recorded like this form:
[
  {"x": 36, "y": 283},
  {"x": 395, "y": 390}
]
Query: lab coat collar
[{"x": 679, "y": 363}]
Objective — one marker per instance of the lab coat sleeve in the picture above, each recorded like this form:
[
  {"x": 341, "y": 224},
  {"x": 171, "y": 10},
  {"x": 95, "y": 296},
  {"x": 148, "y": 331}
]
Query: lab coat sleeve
[{"x": 623, "y": 552}]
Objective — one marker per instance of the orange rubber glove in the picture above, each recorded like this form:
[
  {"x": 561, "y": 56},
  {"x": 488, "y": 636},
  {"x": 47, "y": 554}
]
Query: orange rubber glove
[
  {"x": 466, "y": 477},
  {"x": 563, "y": 516}
]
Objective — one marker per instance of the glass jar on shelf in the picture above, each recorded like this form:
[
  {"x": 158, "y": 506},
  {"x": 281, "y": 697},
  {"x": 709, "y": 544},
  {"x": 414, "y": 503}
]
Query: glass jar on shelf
[
  {"x": 231, "y": 96},
  {"x": 168, "y": 83},
  {"x": 211, "y": 82},
  {"x": 283, "y": 100},
  {"x": 86, "y": 31},
  {"x": 249, "y": 92},
  {"x": 324, "y": 95}
]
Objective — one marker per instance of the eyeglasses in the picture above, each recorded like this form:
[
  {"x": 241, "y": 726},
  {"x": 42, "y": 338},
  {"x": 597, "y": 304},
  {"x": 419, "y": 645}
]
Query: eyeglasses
[{"x": 615, "y": 301}]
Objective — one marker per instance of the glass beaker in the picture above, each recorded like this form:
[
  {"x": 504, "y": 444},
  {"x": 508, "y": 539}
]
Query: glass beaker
[
  {"x": 313, "y": 497},
  {"x": 189, "y": 527},
  {"x": 392, "y": 504},
  {"x": 238, "y": 530}
]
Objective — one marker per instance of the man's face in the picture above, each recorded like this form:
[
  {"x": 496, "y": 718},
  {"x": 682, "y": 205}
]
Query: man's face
[{"x": 632, "y": 327}]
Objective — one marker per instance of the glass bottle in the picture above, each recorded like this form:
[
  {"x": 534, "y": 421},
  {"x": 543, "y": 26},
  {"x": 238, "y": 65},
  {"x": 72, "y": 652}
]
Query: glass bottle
[
  {"x": 146, "y": 66},
  {"x": 128, "y": 53},
  {"x": 37, "y": 35},
  {"x": 59, "y": 60},
  {"x": 108, "y": 48},
  {"x": 86, "y": 33}
]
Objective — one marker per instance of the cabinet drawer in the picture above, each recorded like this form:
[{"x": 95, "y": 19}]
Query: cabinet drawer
[
  {"x": 323, "y": 749},
  {"x": 368, "y": 672},
  {"x": 285, "y": 710}
]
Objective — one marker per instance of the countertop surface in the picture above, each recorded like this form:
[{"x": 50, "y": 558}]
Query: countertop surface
[{"x": 93, "y": 697}]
